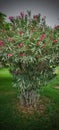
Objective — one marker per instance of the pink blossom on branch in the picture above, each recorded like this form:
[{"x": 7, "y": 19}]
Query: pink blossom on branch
[
  {"x": 1, "y": 43},
  {"x": 9, "y": 54},
  {"x": 19, "y": 17},
  {"x": 35, "y": 17},
  {"x": 22, "y": 15},
  {"x": 20, "y": 45},
  {"x": 55, "y": 41},
  {"x": 21, "y": 32},
  {"x": 10, "y": 39},
  {"x": 11, "y": 18},
  {"x": 42, "y": 37}
]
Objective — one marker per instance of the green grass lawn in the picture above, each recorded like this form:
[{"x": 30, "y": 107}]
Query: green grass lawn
[{"x": 11, "y": 117}]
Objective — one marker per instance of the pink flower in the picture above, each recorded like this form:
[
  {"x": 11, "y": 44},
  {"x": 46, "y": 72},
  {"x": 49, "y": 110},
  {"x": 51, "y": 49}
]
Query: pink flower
[
  {"x": 42, "y": 37},
  {"x": 35, "y": 17},
  {"x": 22, "y": 15},
  {"x": 9, "y": 54},
  {"x": 11, "y": 18},
  {"x": 10, "y": 39},
  {"x": 55, "y": 41},
  {"x": 21, "y": 32},
  {"x": 21, "y": 45},
  {"x": 19, "y": 17},
  {"x": 1, "y": 43}
]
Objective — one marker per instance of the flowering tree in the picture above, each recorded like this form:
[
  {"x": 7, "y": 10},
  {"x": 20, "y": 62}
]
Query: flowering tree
[{"x": 30, "y": 49}]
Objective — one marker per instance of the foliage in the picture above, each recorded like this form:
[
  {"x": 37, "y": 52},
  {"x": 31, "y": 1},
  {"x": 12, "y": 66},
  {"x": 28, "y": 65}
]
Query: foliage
[{"x": 30, "y": 49}]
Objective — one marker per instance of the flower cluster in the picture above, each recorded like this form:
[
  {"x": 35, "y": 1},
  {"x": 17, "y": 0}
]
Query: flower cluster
[
  {"x": 42, "y": 37},
  {"x": 9, "y": 54},
  {"x": 11, "y": 18},
  {"x": 1, "y": 43}
]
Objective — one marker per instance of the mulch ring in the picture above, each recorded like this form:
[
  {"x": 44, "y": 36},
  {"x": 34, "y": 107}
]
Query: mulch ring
[{"x": 41, "y": 108}]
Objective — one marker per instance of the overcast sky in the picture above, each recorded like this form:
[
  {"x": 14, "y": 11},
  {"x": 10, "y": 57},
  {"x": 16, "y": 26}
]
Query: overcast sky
[{"x": 48, "y": 8}]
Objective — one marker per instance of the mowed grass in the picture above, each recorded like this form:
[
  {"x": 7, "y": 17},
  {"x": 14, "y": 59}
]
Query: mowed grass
[{"x": 11, "y": 117}]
